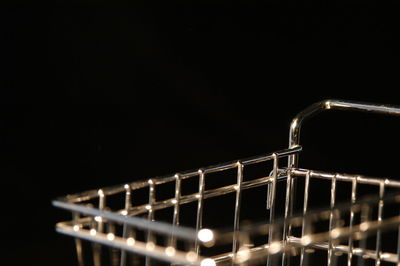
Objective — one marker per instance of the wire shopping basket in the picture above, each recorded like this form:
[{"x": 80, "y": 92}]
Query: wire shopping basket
[{"x": 135, "y": 224}]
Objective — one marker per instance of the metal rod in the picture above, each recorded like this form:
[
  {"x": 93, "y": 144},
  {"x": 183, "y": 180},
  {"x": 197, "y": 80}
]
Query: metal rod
[
  {"x": 87, "y": 195},
  {"x": 199, "y": 217},
  {"x": 287, "y": 207},
  {"x": 353, "y": 200},
  {"x": 236, "y": 222},
  {"x": 113, "y": 252},
  {"x": 97, "y": 249},
  {"x": 156, "y": 226},
  {"x": 207, "y": 194},
  {"x": 380, "y": 214},
  {"x": 177, "y": 204},
  {"x": 295, "y": 127},
  {"x": 136, "y": 246},
  {"x": 365, "y": 217},
  {"x": 332, "y": 223},
  {"x": 348, "y": 178},
  {"x": 272, "y": 185},
  {"x": 371, "y": 254},
  {"x": 303, "y": 225},
  {"x": 150, "y": 217},
  {"x": 78, "y": 243},
  {"x": 263, "y": 250},
  {"x": 125, "y": 230},
  {"x": 316, "y": 240},
  {"x": 271, "y": 202},
  {"x": 183, "y": 232}
]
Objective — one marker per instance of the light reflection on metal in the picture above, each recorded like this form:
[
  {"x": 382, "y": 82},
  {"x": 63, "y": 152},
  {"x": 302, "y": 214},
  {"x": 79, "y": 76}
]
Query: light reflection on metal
[
  {"x": 205, "y": 235},
  {"x": 97, "y": 224},
  {"x": 130, "y": 241},
  {"x": 110, "y": 236},
  {"x": 208, "y": 262},
  {"x": 170, "y": 251}
]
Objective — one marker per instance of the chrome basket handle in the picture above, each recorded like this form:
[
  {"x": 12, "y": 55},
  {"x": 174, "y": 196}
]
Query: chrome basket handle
[{"x": 295, "y": 126}]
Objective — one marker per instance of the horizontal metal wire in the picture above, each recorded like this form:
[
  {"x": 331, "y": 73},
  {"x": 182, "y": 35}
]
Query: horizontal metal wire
[
  {"x": 347, "y": 177},
  {"x": 90, "y": 194},
  {"x": 132, "y": 245},
  {"x": 137, "y": 222},
  {"x": 316, "y": 240}
]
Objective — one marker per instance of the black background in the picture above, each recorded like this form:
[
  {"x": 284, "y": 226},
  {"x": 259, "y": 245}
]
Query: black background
[{"x": 100, "y": 93}]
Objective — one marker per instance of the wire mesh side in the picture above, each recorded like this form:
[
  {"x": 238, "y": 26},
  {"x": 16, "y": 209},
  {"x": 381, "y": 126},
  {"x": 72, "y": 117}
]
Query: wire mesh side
[
  {"x": 101, "y": 221},
  {"x": 342, "y": 240},
  {"x": 342, "y": 234}
]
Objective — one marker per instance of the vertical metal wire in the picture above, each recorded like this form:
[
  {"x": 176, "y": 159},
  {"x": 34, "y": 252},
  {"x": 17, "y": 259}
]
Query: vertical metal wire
[
  {"x": 272, "y": 185},
  {"x": 78, "y": 243},
  {"x": 175, "y": 218},
  {"x": 380, "y": 214},
  {"x": 271, "y": 201},
  {"x": 125, "y": 229},
  {"x": 365, "y": 217},
  {"x": 353, "y": 200},
  {"x": 287, "y": 208},
  {"x": 199, "y": 217},
  {"x": 236, "y": 222},
  {"x": 275, "y": 244},
  {"x": 305, "y": 207},
  {"x": 150, "y": 217},
  {"x": 306, "y": 230},
  {"x": 332, "y": 222},
  {"x": 113, "y": 251},
  {"x": 100, "y": 228}
]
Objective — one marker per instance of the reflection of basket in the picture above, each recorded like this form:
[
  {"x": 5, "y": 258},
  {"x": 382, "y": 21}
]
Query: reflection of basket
[{"x": 126, "y": 218}]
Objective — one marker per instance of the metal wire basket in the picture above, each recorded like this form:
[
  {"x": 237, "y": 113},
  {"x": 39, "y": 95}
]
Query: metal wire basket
[{"x": 132, "y": 224}]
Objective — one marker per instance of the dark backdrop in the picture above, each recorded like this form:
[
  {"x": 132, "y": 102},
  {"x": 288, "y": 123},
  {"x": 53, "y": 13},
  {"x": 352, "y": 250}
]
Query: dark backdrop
[{"x": 100, "y": 93}]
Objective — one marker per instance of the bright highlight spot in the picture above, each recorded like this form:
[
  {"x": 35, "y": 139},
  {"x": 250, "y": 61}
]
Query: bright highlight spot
[
  {"x": 364, "y": 226},
  {"x": 150, "y": 246},
  {"x": 130, "y": 241},
  {"x": 110, "y": 236},
  {"x": 335, "y": 233},
  {"x": 205, "y": 235},
  {"x": 170, "y": 251},
  {"x": 274, "y": 247},
  {"x": 76, "y": 228},
  {"x": 98, "y": 218},
  {"x": 93, "y": 232},
  {"x": 148, "y": 207},
  {"x": 208, "y": 262},
  {"x": 305, "y": 240},
  {"x": 242, "y": 255}
]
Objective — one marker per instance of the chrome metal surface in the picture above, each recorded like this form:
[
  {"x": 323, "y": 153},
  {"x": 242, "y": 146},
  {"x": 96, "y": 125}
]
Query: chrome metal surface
[
  {"x": 133, "y": 234},
  {"x": 312, "y": 110}
]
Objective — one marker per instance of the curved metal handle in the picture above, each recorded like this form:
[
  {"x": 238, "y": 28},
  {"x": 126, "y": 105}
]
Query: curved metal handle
[{"x": 294, "y": 137}]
